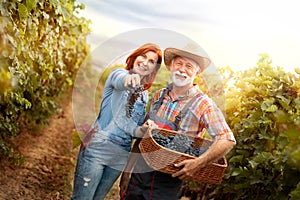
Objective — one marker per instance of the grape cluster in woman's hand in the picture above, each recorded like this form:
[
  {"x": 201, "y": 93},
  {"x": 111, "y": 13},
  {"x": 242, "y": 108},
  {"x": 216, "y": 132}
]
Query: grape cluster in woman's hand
[{"x": 134, "y": 93}]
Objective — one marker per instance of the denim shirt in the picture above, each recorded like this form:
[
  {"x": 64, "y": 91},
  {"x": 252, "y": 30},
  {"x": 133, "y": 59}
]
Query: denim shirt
[{"x": 112, "y": 122}]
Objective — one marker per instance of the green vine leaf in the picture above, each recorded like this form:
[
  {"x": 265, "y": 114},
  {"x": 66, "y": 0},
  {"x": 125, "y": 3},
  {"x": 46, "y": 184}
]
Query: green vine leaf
[
  {"x": 30, "y": 4},
  {"x": 22, "y": 10},
  {"x": 272, "y": 108},
  {"x": 237, "y": 158},
  {"x": 236, "y": 171}
]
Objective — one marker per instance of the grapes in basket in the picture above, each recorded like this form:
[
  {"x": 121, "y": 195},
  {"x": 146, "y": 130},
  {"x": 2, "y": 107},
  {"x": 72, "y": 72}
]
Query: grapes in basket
[{"x": 180, "y": 143}]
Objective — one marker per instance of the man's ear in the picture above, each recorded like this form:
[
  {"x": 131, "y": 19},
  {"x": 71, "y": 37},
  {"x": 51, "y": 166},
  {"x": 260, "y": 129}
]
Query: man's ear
[{"x": 198, "y": 72}]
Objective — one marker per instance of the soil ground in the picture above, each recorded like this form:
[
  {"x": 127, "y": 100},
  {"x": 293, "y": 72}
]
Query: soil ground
[{"x": 49, "y": 162}]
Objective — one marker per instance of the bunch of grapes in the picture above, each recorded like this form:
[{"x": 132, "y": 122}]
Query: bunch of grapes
[
  {"x": 180, "y": 143},
  {"x": 196, "y": 151},
  {"x": 161, "y": 139},
  {"x": 134, "y": 93}
]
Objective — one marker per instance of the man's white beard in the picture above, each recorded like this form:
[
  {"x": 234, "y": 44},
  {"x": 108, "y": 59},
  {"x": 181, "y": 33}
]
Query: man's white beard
[{"x": 179, "y": 82}]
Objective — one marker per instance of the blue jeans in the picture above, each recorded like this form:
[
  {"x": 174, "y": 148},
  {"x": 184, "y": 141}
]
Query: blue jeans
[{"x": 98, "y": 167}]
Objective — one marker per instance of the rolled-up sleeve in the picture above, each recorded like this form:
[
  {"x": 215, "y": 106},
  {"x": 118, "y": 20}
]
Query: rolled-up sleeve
[{"x": 216, "y": 124}]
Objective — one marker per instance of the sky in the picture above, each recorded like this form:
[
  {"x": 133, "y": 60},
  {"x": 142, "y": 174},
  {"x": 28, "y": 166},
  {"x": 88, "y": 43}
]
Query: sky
[{"x": 232, "y": 32}]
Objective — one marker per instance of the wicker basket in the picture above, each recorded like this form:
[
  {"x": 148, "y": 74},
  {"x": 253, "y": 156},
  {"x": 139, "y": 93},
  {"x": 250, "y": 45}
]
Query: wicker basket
[{"x": 163, "y": 159}]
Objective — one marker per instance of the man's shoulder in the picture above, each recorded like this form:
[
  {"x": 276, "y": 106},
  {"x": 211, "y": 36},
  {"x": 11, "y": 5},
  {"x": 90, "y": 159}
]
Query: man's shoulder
[{"x": 202, "y": 98}]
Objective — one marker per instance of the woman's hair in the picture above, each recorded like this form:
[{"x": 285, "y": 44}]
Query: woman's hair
[{"x": 140, "y": 51}]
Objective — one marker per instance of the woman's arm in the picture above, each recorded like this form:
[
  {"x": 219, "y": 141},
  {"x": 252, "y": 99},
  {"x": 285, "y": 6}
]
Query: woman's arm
[
  {"x": 116, "y": 79},
  {"x": 125, "y": 177}
]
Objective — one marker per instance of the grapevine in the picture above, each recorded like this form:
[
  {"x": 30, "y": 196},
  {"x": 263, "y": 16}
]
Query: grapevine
[{"x": 37, "y": 63}]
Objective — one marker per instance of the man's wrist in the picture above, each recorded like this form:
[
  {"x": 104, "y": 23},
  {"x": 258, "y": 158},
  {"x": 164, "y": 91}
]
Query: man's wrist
[{"x": 201, "y": 161}]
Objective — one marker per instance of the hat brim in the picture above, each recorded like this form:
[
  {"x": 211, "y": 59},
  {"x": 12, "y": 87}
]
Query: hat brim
[{"x": 170, "y": 53}]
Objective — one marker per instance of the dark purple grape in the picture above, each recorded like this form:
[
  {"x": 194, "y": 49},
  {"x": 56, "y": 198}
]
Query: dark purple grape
[
  {"x": 180, "y": 143},
  {"x": 134, "y": 93}
]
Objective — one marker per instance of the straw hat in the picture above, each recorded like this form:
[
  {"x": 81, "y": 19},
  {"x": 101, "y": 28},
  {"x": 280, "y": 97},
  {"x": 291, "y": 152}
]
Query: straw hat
[{"x": 190, "y": 51}]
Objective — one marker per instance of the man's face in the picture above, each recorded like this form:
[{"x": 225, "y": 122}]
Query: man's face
[{"x": 183, "y": 71}]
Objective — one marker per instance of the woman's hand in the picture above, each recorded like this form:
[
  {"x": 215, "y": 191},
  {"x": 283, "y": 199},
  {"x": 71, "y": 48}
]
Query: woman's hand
[
  {"x": 151, "y": 124},
  {"x": 124, "y": 182},
  {"x": 125, "y": 177},
  {"x": 141, "y": 130},
  {"x": 132, "y": 80}
]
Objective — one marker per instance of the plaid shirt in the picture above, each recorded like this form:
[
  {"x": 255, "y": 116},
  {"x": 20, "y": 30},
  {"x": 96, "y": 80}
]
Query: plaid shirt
[{"x": 202, "y": 114}]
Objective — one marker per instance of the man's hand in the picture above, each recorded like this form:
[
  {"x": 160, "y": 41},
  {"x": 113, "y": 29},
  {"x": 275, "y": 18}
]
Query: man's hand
[
  {"x": 218, "y": 149},
  {"x": 189, "y": 168},
  {"x": 132, "y": 80}
]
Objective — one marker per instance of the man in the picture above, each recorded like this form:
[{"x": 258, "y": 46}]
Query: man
[{"x": 202, "y": 113}]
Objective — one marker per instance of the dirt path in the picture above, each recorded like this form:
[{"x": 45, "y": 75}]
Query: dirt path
[
  {"x": 49, "y": 162},
  {"x": 47, "y": 173}
]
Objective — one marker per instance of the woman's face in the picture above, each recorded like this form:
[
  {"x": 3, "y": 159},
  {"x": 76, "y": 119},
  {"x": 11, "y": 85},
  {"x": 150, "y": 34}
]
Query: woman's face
[{"x": 145, "y": 63}]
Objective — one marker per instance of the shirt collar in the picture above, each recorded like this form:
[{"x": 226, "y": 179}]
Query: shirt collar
[{"x": 191, "y": 92}]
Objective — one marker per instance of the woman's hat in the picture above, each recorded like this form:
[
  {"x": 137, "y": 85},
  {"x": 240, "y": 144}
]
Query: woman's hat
[{"x": 190, "y": 51}]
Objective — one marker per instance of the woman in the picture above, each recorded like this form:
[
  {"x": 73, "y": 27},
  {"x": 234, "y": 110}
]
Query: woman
[{"x": 105, "y": 149}]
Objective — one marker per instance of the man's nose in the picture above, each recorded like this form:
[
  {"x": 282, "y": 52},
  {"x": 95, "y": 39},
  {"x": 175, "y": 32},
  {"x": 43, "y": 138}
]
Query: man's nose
[{"x": 181, "y": 68}]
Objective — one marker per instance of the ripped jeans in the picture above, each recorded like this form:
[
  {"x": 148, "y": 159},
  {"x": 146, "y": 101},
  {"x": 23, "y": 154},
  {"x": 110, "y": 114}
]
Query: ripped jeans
[{"x": 98, "y": 167}]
